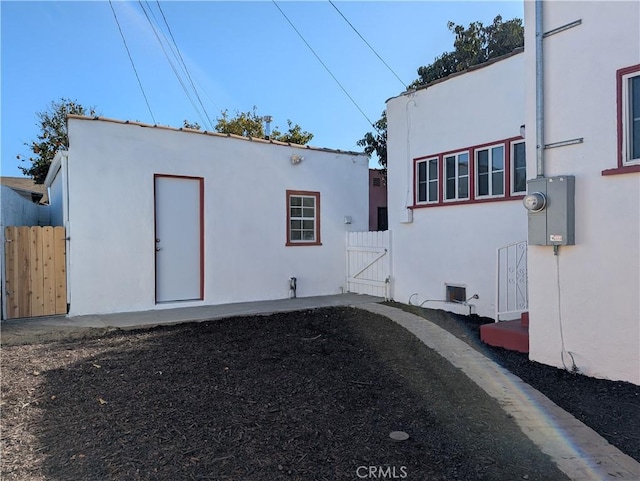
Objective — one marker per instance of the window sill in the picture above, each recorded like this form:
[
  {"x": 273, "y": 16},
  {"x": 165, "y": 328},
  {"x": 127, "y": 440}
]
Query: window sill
[
  {"x": 627, "y": 169},
  {"x": 465, "y": 202},
  {"x": 302, "y": 244}
]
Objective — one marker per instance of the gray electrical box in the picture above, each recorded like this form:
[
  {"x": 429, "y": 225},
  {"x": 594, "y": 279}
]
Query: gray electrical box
[{"x": 551, "y": 205}]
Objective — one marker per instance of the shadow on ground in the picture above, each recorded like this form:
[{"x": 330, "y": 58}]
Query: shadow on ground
[{"x": 304, "y": 395}]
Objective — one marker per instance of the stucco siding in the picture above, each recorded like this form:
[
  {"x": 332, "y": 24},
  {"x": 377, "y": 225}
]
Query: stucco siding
[
  {"x": 111, "y": 206},
  {"x": 589, "y": 292},
  {"x": 452, "y": 243}
]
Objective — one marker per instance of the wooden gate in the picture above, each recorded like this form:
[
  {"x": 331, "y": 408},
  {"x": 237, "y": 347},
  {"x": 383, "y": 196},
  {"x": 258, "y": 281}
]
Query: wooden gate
[
  {"x": 35, "y": 271},
  {"x": 369, "y": 263}
]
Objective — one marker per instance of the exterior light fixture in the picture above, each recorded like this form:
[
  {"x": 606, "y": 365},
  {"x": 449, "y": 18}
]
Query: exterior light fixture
[{"x": 296, "y": 159}]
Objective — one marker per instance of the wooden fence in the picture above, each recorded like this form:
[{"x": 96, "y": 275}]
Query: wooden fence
[{"x": 35, "y": 271}]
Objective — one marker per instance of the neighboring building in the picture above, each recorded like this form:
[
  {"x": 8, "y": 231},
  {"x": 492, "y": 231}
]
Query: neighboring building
[
  {"x": 456, "y": 177},
  {"x": 27, "y": 188},
  {"x": 584, "y": 302},
  {"x": 159, "y": 217},
  {"x": 377, "y": 200}
]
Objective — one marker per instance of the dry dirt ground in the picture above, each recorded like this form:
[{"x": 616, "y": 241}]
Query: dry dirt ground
[{"x": 310, "y": 395}]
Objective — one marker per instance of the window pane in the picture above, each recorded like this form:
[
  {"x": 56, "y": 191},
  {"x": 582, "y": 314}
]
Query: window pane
[
  {"x": 296, "y": 200},
  {"x": 296, "y": 235},
  {"x": 433, "y": 169},
  {"x": 451, "y": 189},
  {"x": 520, "y": 181},
  {"x": 483, "y": 184},
  {"x": 422, "y": 171},
  {"x": 519, "y": 156},
  {"x": 296, "y": 212},
  {"x": 463, "y": 164},
  {"x": 296, "y": 224},
  {"x": 497, "y": 183},
  {"x": 308, "y": 224},
  {"x": 483, "y": 161},
  {"x": 308, "y": 201},
  {"x": 433, "y": 191},
  {"x": 308, "y": 212},
  {"x": 422, "y": 192},
  {"x": 497, "y": 158},
  {"x": 463, "y": 187},
  {"x": 450, "y": 167},
  {"x": 308, "y": 235},
  {"x": 634, "y": 124}
]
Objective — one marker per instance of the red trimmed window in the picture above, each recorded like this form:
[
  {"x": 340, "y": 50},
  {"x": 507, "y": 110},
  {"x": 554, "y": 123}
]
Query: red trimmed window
[
  {"x": 303, "y": 218},
  {"x": 628, "y": 113},
  {"x": 489, "y": 172},
  {"x": 630, "y": 116}
]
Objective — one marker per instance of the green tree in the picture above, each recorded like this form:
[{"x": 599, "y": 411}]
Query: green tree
[
  {"x": 52, "y": 137},
  {"x": 376, "y": 143},
  {"x": 250, "y": 124},
  {"x": 472, "y": 46}
]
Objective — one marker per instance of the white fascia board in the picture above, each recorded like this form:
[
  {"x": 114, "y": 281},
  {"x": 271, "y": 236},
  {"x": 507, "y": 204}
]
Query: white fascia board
[{"x": 55, "y": 167}]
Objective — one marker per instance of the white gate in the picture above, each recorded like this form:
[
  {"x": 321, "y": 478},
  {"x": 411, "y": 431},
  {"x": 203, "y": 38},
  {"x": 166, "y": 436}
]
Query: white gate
[
  {"x": 369, "y": 263},
  {"x": 512, "y": 298}
]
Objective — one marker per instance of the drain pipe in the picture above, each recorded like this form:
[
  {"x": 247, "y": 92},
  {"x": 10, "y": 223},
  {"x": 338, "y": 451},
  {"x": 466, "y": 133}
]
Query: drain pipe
[{"x": 539, "y": 93}]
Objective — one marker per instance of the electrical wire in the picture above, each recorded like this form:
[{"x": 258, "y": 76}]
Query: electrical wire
[
  {"x": 131, "y": 60},
  {"x": 184, "y": 65},
  {"x": 325, "y": 66},
  {"x": 368, "y": 45},
  {"x": 173, "y": 67},
  {"x": 574, "y": 368}
]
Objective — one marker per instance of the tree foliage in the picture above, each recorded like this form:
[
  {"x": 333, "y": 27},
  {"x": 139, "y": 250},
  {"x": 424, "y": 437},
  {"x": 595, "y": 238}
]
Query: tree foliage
[
  {"x": 472, "y": 46},
  {"x": 376, "y": 143},
  {"x": 250, "y": 124},
  {"x": 52, "y": 137}
]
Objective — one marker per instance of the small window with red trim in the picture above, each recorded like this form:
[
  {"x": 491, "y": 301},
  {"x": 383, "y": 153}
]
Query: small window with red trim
[
  {"x": 303, "y": 218},
  {"x": 631, "y": 118}
]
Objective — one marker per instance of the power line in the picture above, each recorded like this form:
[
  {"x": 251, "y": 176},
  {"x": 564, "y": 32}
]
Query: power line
[
  {"x": 180, "y": 80},
  {"x": 132, "y": 64},
  {"x": 367, "y": 43},
  {"x": 325, "y": 67},
  {"x": 186, "y": 70}
]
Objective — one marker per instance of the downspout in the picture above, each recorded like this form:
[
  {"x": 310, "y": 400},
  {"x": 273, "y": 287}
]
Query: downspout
[
  {"x": 64, "y": 169},
  {"x": 539, "y": 92}
]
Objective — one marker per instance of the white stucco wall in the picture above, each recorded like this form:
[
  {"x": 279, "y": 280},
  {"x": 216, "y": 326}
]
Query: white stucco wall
[
  {"x": 111, "y": 169},
  {"x": 453, "y": 244},
  {"x": 596, "y": 303}
]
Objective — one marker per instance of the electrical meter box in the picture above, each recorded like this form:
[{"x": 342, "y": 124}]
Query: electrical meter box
[{"x": 551, "y": 210}]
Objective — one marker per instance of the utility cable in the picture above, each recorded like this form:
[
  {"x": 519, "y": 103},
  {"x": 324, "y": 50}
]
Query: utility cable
[
  {"x": 186, "y": 70},
  {"x": 180, "y": 80},
  {"x": 325, "y": 67},
  {"x": 132, "y": 64},
  {"x": 368, "y": 45}
]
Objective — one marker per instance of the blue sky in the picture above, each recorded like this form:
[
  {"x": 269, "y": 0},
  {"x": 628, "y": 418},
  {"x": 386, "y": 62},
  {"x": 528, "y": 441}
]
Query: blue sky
[{"x": 240, "y": 54}]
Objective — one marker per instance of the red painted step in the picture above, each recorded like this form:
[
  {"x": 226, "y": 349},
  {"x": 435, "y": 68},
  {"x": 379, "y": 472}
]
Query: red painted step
[
  {"x": 511, "y": 335},
  {"x": 524, "y": 319}
]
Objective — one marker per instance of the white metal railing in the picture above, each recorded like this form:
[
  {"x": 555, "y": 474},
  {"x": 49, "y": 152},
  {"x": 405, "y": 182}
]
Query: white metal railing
[{"x": 512, "y": 298}]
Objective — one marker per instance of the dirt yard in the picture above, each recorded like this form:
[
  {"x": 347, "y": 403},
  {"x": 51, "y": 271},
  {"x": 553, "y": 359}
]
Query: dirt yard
[{"x": 311, "y": 395}]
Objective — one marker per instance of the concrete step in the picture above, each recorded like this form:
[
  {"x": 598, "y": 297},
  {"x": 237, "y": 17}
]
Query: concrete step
[{"x": 510, "y": 335}]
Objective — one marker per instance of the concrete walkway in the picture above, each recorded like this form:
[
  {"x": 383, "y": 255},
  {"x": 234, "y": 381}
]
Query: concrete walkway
[
  {"x": 581, "y": 453},
  {"x": 48, "y": 328}
]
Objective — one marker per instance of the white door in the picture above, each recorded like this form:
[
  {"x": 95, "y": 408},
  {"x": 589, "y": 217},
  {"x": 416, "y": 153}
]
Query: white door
[{"x": 178, "y": 243}]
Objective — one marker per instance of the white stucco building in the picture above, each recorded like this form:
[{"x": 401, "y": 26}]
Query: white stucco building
[
  {"x": 159, "y": 217},
  {"x": 584, "y": 303},
  {"x": 456, "y": 177}
]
